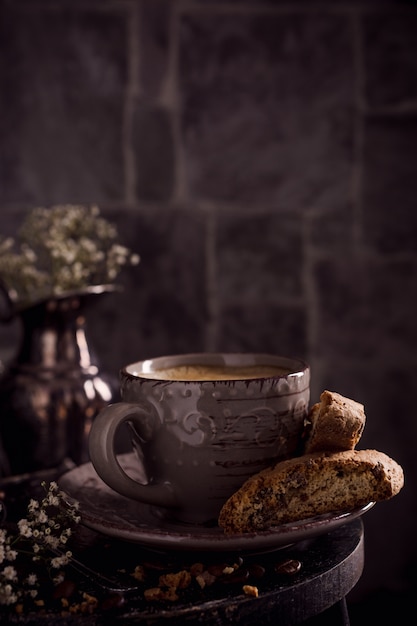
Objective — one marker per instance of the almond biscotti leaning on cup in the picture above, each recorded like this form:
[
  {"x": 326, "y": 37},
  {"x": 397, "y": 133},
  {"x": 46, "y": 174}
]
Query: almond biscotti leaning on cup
[
  {"x": 310, "y": 485},
  {"x": 334, "y": 424}
]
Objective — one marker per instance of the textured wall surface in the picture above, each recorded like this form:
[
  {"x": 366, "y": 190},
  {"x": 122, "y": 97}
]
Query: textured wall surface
[{"x": 261, "y": 157}]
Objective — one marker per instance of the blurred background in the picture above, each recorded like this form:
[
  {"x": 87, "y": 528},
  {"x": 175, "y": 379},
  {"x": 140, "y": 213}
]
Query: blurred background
[{"x": 261, "y": 157}]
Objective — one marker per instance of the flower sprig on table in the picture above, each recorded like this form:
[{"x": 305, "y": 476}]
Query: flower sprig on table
[
  {"x": 58, "y": 249},
  {"x": 38, "y": 547}
]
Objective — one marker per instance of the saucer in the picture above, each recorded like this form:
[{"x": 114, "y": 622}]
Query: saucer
[{"x": 114, "y": 515}]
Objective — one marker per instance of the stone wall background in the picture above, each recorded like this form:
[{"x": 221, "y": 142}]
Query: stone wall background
[{"x": 262, "y": 159}]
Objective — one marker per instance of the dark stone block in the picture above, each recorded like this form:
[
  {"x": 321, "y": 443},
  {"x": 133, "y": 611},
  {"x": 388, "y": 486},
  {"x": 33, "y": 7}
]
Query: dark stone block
[
  {"x": 64, "y": 74},
  {"x": 331, "y": 232},
  {"x": 163, "y": 307},
  {"x": 345, "y": 327},
  {"x": 390, "y": 47},
  {"x": 267, "y": 103},
  {"x": 389, "y": 184},
  {"x": 393, "y": 310},
  {"x": 367, "y": 310},
  {"x": 263, "y": 327},
  {"x": 259, "y": 258},
  {"x": 153, "y": 146},
  {"x": 154, "y": 45},
  {"x": 259, "y": 264}
]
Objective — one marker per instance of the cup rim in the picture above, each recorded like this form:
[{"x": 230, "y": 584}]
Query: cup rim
[{"x": 297, "y": 367}]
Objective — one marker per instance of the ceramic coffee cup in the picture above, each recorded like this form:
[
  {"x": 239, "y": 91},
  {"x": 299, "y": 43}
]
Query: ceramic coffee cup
[{"x": 202, "y": 424}]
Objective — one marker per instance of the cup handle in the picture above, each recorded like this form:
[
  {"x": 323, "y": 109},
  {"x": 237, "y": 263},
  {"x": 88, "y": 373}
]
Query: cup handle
[{"x": 104, "y": 458}]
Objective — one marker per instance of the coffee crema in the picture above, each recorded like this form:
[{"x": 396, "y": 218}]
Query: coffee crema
[{"x": 197, "y": 372}]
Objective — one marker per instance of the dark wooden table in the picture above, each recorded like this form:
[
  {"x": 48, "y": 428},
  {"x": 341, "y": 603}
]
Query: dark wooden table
[{"x": 331, "y": 565}]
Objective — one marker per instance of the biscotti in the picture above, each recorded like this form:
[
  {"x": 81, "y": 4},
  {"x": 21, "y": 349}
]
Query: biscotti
[
  {"x": 310, "y": 485},
  {"x": 335, "y": 423}
]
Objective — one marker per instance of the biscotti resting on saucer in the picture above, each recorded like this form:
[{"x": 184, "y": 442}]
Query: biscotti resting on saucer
[
  {"x": 310, "y": 485},
  {"x": 334, "y": 424}
]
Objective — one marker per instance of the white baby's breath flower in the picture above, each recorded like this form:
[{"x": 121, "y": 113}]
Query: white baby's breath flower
[
  {"x": 41, "y": 517},
  {"x": 112, "y": 273},
  {"x": 29, "y": 254},
  {"x": 9, "y": 573},
  {"x": 24, "y": 528},
  {"x": 7, "y": 244},
  {"x": 32, "y": 579},
  {"x": 11, "y": 555},
  {"x": 53, "y": 500},
  {"x": 59, "y": 561},
  {"x": 51, "y": 541},
  {"x": 33, "y": 505}
]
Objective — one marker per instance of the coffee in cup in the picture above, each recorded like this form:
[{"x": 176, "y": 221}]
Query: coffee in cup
[
  {"x": 197, "y": 372},
  {"x": 201, "y": 425}
]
